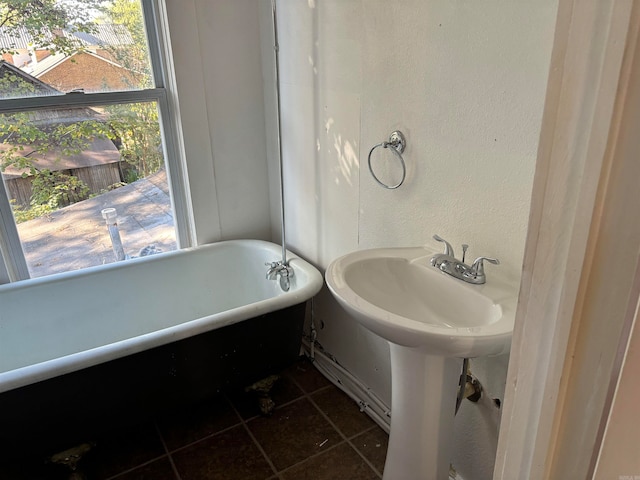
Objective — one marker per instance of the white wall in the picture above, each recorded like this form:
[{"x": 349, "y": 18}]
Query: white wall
[
  {"x": 465, "y": 82},
  {"x": 217, "y": 55}
]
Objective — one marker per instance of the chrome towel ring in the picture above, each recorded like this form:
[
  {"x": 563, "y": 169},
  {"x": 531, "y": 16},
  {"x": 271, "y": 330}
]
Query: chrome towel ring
[{"x": 397, "y": 143}]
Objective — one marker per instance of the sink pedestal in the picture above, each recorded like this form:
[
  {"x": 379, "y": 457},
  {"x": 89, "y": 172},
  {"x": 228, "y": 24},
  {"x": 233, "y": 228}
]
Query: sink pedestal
[{"x": 423, "y": 399}]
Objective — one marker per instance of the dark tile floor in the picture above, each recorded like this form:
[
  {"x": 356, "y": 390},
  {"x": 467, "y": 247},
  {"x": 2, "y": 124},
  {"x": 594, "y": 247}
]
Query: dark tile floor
[{"x": 315, "y": 433}]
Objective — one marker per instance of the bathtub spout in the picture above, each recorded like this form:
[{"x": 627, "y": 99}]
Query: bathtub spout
[
  {"x": 282, "y": 270},
  {"x": 285, "y": 283}
]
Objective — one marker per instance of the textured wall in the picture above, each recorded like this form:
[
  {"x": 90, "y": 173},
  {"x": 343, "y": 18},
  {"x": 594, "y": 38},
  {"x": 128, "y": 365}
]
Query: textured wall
[{"x": 465, "y": 82}]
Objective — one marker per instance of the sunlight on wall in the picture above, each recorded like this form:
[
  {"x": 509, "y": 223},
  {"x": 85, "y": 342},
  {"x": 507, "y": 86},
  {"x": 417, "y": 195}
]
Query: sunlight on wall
[{"x": 465, "y": 83}]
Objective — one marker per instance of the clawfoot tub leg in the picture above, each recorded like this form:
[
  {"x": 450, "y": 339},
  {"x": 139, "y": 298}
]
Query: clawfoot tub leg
[
  {"x": 70, "y": 458},
  {"x": 262, "y": 388}
]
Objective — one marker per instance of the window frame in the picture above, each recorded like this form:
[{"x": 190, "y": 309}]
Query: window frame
[{"x": 13, "y": 266}]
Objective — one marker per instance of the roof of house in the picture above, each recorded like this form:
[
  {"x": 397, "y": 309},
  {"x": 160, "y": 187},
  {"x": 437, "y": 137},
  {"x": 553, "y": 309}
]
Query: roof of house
[
  {"x": 103, "y": 35},
  {"x": 47, "y": 116},
  {"x": 76, "y": 236},
  {"x": 40, "y": 87},
  {"x": 15, "y": 37},
  {"x": 101, "y": 151},
  {"x": 53, "y": 61}
]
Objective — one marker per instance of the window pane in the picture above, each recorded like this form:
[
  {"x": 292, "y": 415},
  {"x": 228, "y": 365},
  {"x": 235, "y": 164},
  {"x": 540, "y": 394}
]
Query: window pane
[
  {"x": 63, "y": 167},
  {"x": 54, "y": 47}
]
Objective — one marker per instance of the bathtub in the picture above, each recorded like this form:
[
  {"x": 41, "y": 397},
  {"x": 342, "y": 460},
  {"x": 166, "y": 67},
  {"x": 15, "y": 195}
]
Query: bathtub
[{"x": 145, "y": 330}]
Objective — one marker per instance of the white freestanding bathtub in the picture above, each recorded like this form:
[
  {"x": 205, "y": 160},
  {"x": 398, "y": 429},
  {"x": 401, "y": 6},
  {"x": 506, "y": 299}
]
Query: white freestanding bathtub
[{"x": 119, "y": 314}]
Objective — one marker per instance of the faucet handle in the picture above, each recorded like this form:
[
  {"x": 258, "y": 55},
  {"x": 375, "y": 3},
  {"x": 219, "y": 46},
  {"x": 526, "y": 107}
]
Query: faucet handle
[
  {"x": 478, "y": 265},
  {"x": 448, "y": 250}
]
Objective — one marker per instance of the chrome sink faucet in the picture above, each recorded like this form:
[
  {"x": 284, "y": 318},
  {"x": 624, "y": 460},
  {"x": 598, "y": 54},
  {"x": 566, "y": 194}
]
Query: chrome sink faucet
[{"x": 447, "y": 263}]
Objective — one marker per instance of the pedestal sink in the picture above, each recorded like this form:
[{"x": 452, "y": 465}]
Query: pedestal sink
[{"x": 431, "y": 321}]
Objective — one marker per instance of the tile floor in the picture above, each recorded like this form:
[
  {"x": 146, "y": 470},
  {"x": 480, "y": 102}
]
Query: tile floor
[{"x": 315, "y": 433}]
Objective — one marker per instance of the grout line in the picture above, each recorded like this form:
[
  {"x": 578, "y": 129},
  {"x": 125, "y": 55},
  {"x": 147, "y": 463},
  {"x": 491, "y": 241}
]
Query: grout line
[
  {"x": 207, "y": 437},
  {"x": 372, "y": 427},
  {"x": 255, "y": 441},
  {"x": 304, "y": 392},
  {"x": 348, "y": 439},
  {"x": 308, "y": 395},
  {"x": 166, "y": 449},
  {"x": 353, "y": 437},
  {"x": 148, "y": 462},
  {"x": 211, "y": 435},
  {"x": 132, "y": 469},
  {"x": 242, "y": 421},
  {"x": 318, "y": 390},
  {"x": 264, "y": 454},
  {"x": 278, "y": 407},
  {"x": 304, "y": 395},
  {"x": 313, "y": 455},
  {"x": 277, "y": 475}
]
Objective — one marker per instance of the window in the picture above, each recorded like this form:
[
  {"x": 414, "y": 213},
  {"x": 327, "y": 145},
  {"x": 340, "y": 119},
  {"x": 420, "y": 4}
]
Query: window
[{"x": 84, "y": 129}]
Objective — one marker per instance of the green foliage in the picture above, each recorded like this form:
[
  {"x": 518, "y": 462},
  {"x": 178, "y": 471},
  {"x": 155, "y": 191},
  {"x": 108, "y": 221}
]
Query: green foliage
[
  {"x": 21, "y": 214},
  {"x": 43, "y": 18},
  {"x": 108, "y": 189},
  {"x": 19, "y": 130},
  {"x": 12, "y": 86},
  {"x": 133, "y": 128},
  {"x": 131, "y": 176},
  {"x": 136, "y": 129},
  {"x": 133, "y": 57},
  {"x": 57, "y": 189}
]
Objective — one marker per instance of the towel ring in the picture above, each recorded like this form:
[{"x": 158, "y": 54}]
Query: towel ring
[{"x": 397, "y": 143}]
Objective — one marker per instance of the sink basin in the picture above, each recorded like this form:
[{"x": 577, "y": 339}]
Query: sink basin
[
  {"x": 397, "y": 294},
  {"x": 430, "y": 320}
]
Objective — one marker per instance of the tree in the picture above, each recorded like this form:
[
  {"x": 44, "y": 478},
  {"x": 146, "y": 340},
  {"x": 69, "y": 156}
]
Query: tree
[
  {"x": 135, "y": 58},
  {"x": 44, "y": 20},
  {"x": 24, "y": 138},
  {"x": 134, "y": 128}
]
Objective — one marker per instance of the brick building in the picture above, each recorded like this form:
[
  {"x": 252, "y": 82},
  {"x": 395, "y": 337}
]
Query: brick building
[
  {"x": 92, "y": 68},
  {"x": 84, "y": 70}
]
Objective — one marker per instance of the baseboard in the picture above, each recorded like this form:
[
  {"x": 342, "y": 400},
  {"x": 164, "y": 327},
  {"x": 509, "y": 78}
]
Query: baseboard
[{"x": 368, "y": 401}]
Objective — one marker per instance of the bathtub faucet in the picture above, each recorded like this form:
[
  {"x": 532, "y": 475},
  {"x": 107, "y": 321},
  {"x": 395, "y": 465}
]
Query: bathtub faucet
[{"x": 280, "y": 269}]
